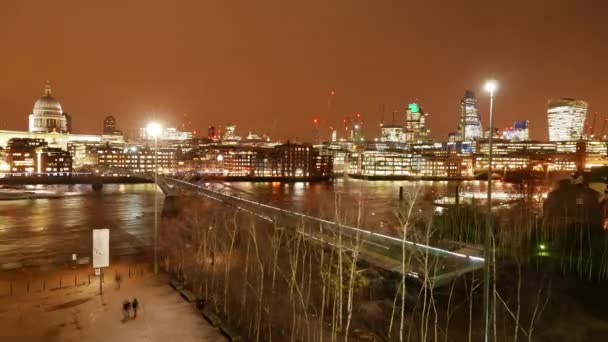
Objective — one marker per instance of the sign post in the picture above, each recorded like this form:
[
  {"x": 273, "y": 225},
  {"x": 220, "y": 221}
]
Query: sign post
[{"x": 101, "y": 252}]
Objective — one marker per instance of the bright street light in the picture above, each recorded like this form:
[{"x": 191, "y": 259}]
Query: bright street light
[
  {"x": 153, "y": 130},
  {"x": 491, "y": 86}
]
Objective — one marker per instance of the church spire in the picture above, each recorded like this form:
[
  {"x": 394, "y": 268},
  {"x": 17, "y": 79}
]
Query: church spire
[{"x": 47, "y": 89}]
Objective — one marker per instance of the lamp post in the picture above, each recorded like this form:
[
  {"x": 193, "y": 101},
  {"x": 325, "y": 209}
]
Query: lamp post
[
  {"x": 154, "y": 129},
  {"x": 490, "y": 87}
]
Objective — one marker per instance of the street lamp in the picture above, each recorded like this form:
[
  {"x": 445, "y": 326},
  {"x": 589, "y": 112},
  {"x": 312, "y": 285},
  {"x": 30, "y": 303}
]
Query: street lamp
[
  {"x": 153, "y": 130},
  {"x": 491, "y": 86}
]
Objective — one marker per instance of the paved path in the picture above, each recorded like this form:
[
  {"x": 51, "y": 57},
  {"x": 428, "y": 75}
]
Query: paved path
[{"x": 79, "y": 313}]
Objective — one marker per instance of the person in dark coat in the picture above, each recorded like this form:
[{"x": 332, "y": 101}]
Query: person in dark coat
[{"x": 135, "y": 305}]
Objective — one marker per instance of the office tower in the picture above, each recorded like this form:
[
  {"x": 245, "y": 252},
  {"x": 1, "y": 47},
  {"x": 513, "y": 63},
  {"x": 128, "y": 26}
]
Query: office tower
[
  {"x": 415, "y": 124},
  {"x": 566, "y": 119},
  {"x": 109, "y": 125},
  {"x": 469, "y": 127}
]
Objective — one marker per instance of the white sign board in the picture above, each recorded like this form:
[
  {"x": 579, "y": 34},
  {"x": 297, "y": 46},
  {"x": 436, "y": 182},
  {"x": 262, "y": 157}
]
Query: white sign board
[{"x": 101, "y": 248}]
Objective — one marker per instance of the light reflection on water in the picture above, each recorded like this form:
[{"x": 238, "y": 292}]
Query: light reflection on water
[
  {"x": 378, "y": 200},
  {"x": 44, "y": 229}
]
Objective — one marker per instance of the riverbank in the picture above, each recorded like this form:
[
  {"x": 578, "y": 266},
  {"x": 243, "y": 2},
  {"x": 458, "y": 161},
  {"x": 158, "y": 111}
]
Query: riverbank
[
  {"x": 254, "y": 179},
  {"x": 408, "y": 178},
  {"x": 40, "y": 309},
  {"x": 51, "y": 180}
]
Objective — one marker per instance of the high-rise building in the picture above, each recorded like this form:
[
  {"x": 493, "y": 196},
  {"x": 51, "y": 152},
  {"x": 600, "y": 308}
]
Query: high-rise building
[
  {"x": 229, "y": 132},
  {"x": 211, "y": 134},
  {"x": 109, "y": 125},
  {"x": 415, "y": 124},
  {"x": 469, "y": 127},
  {"x": 566, "y": 119}
]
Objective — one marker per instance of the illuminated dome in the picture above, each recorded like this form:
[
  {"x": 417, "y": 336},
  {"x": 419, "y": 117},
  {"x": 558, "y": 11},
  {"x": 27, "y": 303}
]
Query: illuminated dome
[
  {"x": 47, "y": 104},
  {"x": 47, "y": 115}
]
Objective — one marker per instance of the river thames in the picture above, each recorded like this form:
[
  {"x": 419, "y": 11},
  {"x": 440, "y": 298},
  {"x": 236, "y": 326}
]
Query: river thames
[{"x": 44, "y": 231}]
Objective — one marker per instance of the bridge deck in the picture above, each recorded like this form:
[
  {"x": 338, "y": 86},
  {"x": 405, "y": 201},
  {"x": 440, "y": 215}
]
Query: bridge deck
[{"x": 425, "y": 263}]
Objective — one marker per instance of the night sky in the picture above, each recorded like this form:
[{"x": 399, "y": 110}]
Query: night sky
[{"x": 268, "y": 66}]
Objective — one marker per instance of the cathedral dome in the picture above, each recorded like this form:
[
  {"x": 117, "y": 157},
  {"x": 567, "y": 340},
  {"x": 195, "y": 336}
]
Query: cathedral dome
[
  {"x": 47, "y": 104},
  {"x": 47, "y": 115}
]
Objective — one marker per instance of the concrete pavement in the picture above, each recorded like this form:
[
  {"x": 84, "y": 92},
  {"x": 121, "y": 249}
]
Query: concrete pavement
[{"x": 79, "y": 313}]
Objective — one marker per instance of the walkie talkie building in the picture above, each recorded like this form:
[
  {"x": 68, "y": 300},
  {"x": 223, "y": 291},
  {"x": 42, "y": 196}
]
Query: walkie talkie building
[{"x": 566, "y": 119}]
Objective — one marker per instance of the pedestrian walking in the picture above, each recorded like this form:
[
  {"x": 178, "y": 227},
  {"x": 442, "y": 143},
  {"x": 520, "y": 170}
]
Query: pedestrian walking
[
  {"x": 126, "y": 310},
  {"x": 135, "y": 305}
]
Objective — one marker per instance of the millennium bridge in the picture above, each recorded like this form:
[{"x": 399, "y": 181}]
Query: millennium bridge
[{"x": 433, "y": 266}]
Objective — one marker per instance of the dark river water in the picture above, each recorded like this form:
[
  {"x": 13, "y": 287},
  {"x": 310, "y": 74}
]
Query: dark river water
[{"x": 42, "y": 231}]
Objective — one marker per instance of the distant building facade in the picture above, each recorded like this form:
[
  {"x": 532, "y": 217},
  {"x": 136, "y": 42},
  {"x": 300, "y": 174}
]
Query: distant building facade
[
  {"x": 566, "y": 119},
  {"x": 33, "y": 156},
  {"x": 110, "y": 126},
  {"x": 296, "y": 160},
  {"x": 136, "y": 159},
  {"x": 168, "y": 133},
  {"x": 415, "y": 124},
  {"x": 518, "y": 132},
  {"x": 469, "y": 127},
  {"x": 391, "y": 133}
]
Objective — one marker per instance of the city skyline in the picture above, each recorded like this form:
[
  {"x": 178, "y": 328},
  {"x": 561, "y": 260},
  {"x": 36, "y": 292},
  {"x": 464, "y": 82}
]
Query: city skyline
[
  {"x": 274, "y": 72},
  {"x": 357, "y": 170},
  {"x": 399, "y": 118}
]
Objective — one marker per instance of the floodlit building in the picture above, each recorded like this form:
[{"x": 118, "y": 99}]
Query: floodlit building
[
  {"x": 136, "y": 159},
  {"x": 469, "y": 127},
  {"x": 445, "y": 167},
  {"x": 55, "y": 161},
  {"x": 519, "y": 132},
  {"x": 47, "y": 115},
  {"x": 49, "y": 123},
  {"x": 380, "y": 163},
  {"x": 391, "y": 133},
  {"x": 502, "y": 146},
  {"x": 296, "y": 160},
  {"x": 566, "y": 119},
  {"x": 33, "y": 156},
  {"x": 229, "y": 133},
  {"x": 415, "y": 124},
  {"x": 168, "y": 133}
]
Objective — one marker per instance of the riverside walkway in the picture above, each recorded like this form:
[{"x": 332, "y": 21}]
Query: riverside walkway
[
  {"x": 435, "y": 266},
  {"x": 36, "y": 308}
]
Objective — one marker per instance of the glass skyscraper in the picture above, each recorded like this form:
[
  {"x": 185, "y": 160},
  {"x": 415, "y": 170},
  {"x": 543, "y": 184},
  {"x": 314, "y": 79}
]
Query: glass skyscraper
[
  {"x": 415, "y": 124},
  {"x": 469, "y": 127},
  {"x": 566, "y": 119}
]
